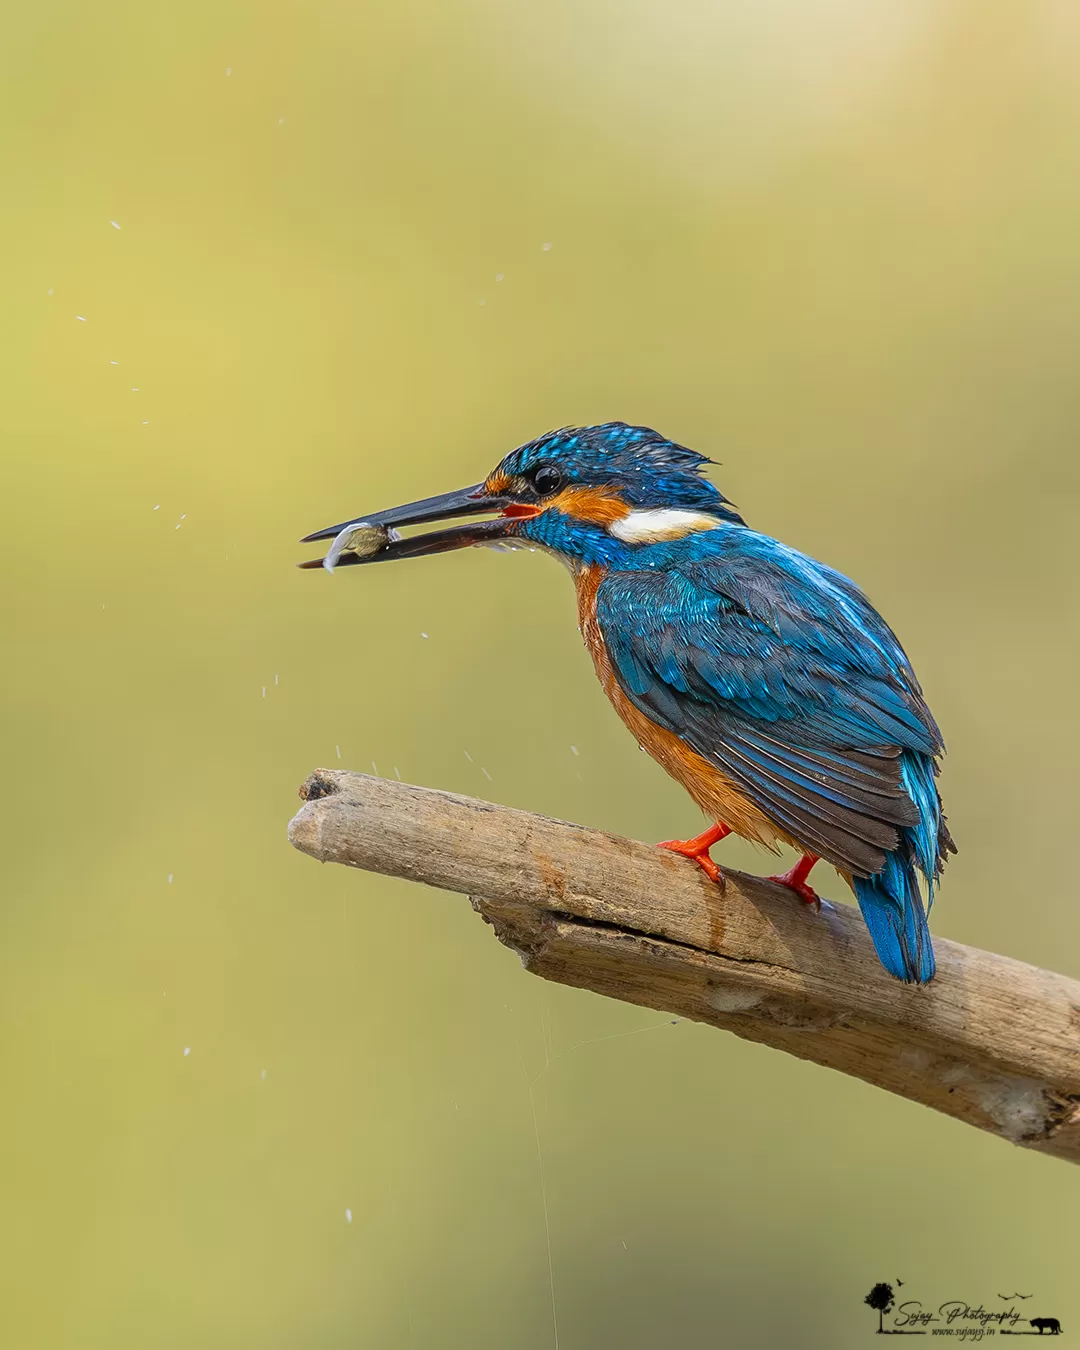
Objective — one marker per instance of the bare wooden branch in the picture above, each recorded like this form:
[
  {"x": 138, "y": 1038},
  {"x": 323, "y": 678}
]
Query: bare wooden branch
[{"x": 991, "y": 1041}]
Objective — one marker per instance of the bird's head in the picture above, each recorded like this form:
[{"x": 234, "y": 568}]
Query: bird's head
[{"x": 591, "y": 494}]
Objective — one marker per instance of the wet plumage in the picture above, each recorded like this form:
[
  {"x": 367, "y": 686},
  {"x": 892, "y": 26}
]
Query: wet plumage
[{"x": 762, "y": 680}]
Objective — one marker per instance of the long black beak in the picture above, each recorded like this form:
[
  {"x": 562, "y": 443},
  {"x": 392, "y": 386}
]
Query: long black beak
[{"x": 374, "y": 538}]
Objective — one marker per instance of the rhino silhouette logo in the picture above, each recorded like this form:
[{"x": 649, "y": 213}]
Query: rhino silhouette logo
[{"x": 1050, "y": 1324}]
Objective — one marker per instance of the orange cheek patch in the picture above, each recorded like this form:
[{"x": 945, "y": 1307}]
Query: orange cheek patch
[
  {"x": 497, "y": 484},
  {"x": 589, "y": 503}
]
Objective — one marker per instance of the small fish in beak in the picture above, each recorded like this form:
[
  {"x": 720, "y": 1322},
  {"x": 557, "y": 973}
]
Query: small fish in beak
[{"x": 361, "y": 538}]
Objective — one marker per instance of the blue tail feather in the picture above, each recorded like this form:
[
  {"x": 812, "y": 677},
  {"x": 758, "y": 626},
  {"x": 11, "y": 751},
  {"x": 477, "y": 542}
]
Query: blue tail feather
[
  {"x": 891, "y": 900},
  {"x": 892, "y": 906}
]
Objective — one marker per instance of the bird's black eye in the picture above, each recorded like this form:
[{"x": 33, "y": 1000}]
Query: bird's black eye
[{"x": 546, "y": 479}]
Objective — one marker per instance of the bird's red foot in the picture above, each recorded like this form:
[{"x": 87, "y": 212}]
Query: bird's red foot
[
  {"x": 698, "y": 849},
  {"x": 795, "y": 880}
]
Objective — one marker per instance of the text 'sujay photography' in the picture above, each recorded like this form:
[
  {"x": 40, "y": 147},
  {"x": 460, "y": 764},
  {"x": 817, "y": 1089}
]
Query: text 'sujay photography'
[{"x": 681, "y": 694}]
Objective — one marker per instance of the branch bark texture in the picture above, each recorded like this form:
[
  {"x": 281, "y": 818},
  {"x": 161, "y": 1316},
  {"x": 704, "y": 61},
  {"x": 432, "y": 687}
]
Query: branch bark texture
[{"x": 991, "y": 1041}]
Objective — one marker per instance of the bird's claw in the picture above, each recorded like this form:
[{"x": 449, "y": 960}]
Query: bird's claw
[
  {"x": 795, "y": 880},
  {"x": 692, "y": 848}
]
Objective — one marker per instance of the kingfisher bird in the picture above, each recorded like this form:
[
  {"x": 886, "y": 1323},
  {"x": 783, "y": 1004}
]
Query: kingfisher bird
[{"x": 760, "y": 679}]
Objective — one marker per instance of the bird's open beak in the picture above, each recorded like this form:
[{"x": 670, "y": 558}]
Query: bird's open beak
[{"x": 375, "y": 538}]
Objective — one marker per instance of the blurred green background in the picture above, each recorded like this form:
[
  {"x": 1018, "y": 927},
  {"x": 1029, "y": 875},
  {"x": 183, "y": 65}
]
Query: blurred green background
[{"x": 268, "y": 265}]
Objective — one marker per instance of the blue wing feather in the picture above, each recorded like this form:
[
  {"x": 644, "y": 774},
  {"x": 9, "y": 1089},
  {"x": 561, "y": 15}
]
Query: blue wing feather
[{"x": 777, "y": 669}]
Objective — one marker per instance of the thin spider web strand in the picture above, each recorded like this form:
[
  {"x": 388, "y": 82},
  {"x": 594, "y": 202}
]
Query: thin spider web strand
[{"x": 543, "y": 1197}]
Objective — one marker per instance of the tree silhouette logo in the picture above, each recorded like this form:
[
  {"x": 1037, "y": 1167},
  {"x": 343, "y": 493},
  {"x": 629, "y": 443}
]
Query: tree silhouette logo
[{"x": 880, "y": 1298}]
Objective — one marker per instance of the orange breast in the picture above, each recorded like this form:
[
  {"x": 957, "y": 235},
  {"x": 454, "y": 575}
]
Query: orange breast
[{"x": 717, "y": 795}]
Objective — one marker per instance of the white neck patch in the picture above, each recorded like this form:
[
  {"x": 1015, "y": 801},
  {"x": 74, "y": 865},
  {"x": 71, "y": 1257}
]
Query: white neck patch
[{"x": 655, "y": 527}]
